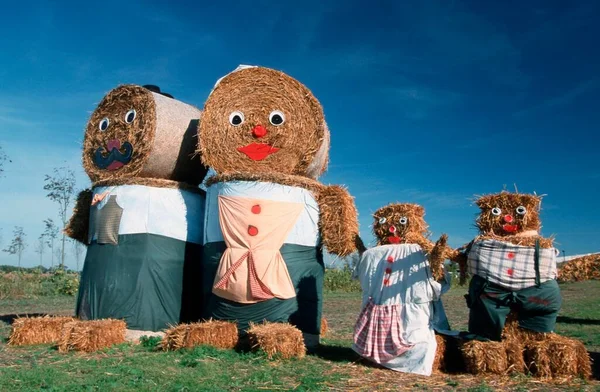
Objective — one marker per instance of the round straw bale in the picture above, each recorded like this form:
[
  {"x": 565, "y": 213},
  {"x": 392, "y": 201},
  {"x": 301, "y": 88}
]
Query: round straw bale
[
  {"x": 240, "y": 111},
  {"x": 161, "y": 135}
]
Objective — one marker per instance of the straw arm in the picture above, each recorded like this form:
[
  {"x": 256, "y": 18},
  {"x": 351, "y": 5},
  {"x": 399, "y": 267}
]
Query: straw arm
[
  {"x": 338, "y": 221},
  {"x": 78, "y": 226}
]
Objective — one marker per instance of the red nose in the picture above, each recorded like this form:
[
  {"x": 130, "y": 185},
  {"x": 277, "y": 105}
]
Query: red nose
[
  {"x": 259, "y": 131},
  {"x": 113, "y": 144},
  {"x": 508, "y": 218}
]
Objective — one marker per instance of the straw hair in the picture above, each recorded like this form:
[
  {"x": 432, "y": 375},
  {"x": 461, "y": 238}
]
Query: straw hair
[
  {"x": 215, "y": 333},
  {"x": 581, "y": 268},
  {"x": 281, "y": 339},
  {"x": 162, "y": 135},
  {"x": 78, "y": 226},
  {"x": 90, "y": 336},
  {"x": 490, "y": 224},
  {"x": 485, "y": 357},
  {"x": 37, "y": 330},
  {"x": 256, "y": 92}
]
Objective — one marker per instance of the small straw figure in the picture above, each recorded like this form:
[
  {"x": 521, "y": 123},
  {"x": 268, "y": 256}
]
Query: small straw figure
[
  {"x": 514, "y": 298},
  {"x": 402, "y": 281},
  {"x": 140, "y": 218},
  {"x": 267, "y": 217}
]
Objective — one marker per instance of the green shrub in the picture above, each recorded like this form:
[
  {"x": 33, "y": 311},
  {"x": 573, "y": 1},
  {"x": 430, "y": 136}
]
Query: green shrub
[{"x": 340, "y": 280}]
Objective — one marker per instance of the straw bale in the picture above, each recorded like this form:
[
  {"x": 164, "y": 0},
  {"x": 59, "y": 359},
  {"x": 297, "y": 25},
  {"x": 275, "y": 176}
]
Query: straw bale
[
  {"x": 338, "y": 220},
  {"x": 581, "y": 268},
  {"x": 584, "y": 362},
  {"x": 439, "y": 362},
  {"x": 324, "y": 327},
  {"x": 280, "y": 339},
  {"x": 537, "y": 357},
  {"x": 37, "y": 330},
  {"x": 508, "y": 203},
  {"x": 215, "y": 333},
  {"x": 92, "y": 335},
  {"x": 515, "y": 358},
  {"x": 485, "y": 357},
  {"x": 302, "y": 140},
  {"x": 78, "y": 225}
]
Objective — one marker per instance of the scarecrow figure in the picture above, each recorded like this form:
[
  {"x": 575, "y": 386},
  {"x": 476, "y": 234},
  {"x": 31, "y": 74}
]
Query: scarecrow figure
[
  {"x": 513, "y": 297},
  {"x": 267, "y": 217},
  {"x": 402, "y": 280},
  {"x": 142, "y": 218}
]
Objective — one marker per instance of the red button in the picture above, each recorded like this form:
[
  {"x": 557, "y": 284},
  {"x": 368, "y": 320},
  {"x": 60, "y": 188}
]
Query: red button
[
  {"x": 390, "y": 259},
  {"x": 386, "y": 281},
  {"x": 255, "y": 209},
  {"x": 510, "y": 271},
  {"x": 388, "y": 270},
  {"x": 252, "y": 230},
  {"x": 510, "y": 255}
]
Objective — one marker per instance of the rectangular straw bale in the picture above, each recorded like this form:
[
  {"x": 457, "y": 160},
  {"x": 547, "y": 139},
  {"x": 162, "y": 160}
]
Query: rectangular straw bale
[
  {"x": 93, "y": 335},
  {"x": 216, "y": 333},
  {"x": 281, "y": 339},
  {"x": 440, "y": 353},
  {"x": 485, "y": 357},
  {"x": 37, "y": 330}
]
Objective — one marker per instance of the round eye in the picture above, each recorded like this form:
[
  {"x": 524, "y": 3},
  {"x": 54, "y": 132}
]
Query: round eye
[
  {"x": 130, "y": 116},
  {"x": 496, "y": 211},
  {"x": 276, "y": 118},
  {"x": 104, "y": 124},
  {"x": 521, "y": 210},
  {"x": 236, "y": 118},
  {"x": 382, "y": 220},
  {"x": 392, "y": 229},
  {"x": 403, "y": 220}
]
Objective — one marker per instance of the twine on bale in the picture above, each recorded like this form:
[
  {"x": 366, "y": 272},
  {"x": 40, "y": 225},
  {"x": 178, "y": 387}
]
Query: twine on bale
[
  {"x": 277, "y": 339},
  {"x": 37, "y": 330},
  {"x": 90, "y": 336},
  {"x": 302, "y": 139},
  {"x": 215, "y": 333},
  {"x": 581, "y": 268}
]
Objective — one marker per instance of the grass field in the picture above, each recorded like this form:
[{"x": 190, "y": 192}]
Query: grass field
[{"x": 334, "y": 367}]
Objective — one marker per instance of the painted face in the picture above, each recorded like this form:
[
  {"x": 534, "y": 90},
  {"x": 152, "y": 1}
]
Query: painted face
[
  {"x": 394, "y": 221},
  {"x": 261, "y": 120},
  {"x": 507, "y": 213},
  {"x": 119, "y": 134}
]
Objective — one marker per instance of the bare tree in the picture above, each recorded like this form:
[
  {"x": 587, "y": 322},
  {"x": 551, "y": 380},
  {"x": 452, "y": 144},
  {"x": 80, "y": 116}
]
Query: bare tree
[
  {"x": 61, "y": 189},
  {"x": 50, "y": 234},
  {"x": 40, "y": 247},
  {"x": 77, "y": 248},
  {"x": 17, "y": 245}
]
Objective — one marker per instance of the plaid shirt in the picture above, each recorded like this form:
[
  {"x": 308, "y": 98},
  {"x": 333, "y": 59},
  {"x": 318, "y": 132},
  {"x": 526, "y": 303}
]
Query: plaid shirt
[
  {"x": 510, "y": 266},
  {"x": 377, "y": 333}
]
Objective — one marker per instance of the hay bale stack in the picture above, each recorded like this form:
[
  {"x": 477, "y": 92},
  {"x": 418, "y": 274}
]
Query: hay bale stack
[
  {"x": 90, "y": 336},
  {"x": 515, "y": 359},
  {"x": 324, "y": 327},
  {"x": 37, "y": 330},
  {"x": 485, "y": 357},
  {"x": 280, "y": 339},
  {"x": 537, "y": 358},
  {"x": 215, "y": 333},
  {"x": 581, "y": 268}
]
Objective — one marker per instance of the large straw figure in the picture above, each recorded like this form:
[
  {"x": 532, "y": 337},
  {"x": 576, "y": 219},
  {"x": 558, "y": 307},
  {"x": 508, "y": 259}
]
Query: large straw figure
[
  {"x": 513, "y": 297},
  {"x": 267, "y": 217},
  {"x": 142, "y": 219},
  {"x": 402, "y": 280}
]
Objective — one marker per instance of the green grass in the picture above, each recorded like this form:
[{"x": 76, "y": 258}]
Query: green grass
[{"x": 334, "y": 367}]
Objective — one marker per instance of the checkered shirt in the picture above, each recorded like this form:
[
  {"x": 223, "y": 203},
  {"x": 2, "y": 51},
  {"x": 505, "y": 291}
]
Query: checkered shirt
[{"x": 510, "y": 266}]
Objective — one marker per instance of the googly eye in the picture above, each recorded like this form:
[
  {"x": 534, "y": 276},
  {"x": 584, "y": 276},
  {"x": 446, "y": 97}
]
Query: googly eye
[
  {"x": 236, "y": 118},
  {"x": 104, "y": 124},
  {"x": 403, "y": 220},
  {"x": 382, "y": 220},
  {"x": 392, "y": 229},
  {"x": 521, "y": 210},
  {"x": 496, "y": 211},
  {"x": 276, "y": 118},
  {"x": 130, "y": 116}
]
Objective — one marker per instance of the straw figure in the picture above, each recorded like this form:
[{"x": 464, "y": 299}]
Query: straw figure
[
  {"x": 402, "y": 280},
  {"x": 514, "y": 298},
  {"x": 267, "y": 217},
  {"x": 142, "y": 217}
]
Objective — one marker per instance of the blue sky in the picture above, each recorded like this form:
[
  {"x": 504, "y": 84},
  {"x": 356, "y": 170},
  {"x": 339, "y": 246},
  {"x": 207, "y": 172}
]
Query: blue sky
[{"x": 428, "y": 102}]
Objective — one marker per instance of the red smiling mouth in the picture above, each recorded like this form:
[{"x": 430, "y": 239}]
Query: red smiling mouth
[
  {"x": 258, "y": 151},
  {"x": 510, "y": 228},
  {"x": 394, "y": 240}
]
